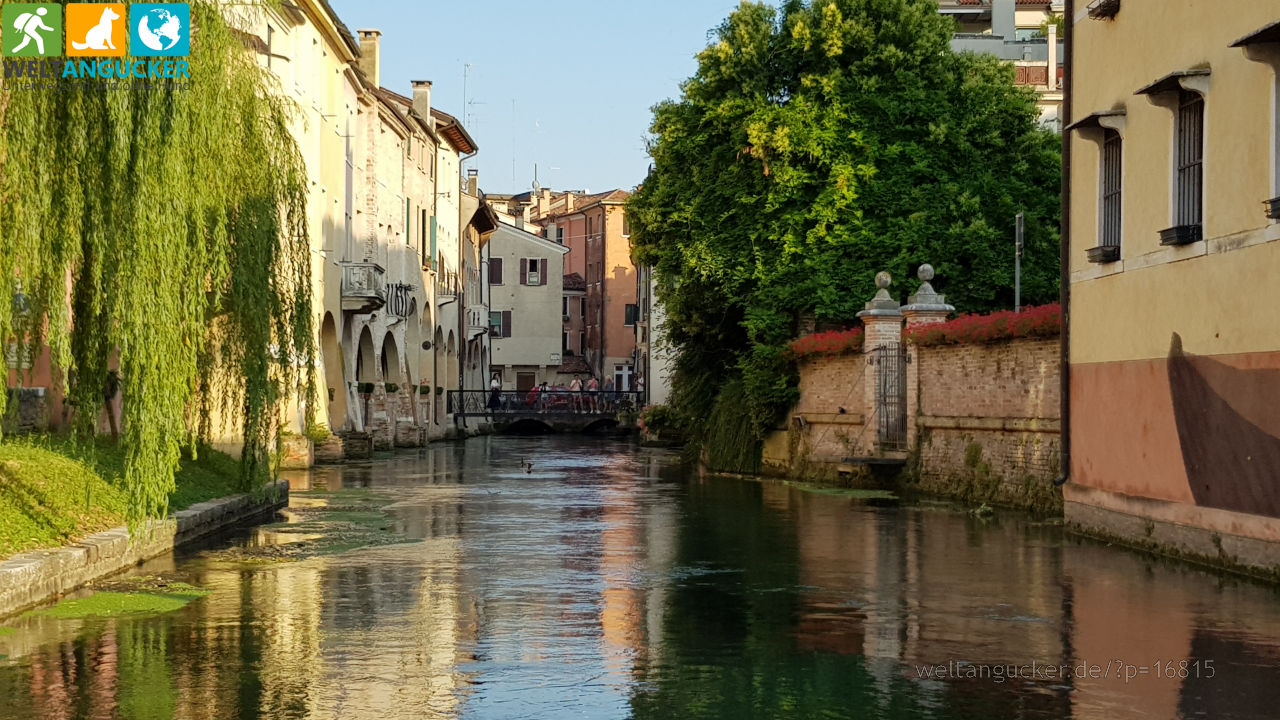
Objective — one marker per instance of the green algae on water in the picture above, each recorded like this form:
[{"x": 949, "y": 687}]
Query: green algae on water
[{"x": 112, "y": 603}]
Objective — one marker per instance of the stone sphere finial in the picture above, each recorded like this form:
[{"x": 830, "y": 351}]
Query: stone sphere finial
[
  {"x": 883, "y": 280},
  {"x": 925, "y": 273}
]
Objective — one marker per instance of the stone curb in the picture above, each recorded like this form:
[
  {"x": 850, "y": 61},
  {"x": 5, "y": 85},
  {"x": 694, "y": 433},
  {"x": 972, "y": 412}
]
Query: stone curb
[{"x": 32, "y": 577}]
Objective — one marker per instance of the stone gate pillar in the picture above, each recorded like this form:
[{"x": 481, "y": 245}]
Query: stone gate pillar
[
  {"x": 925, "y": 307},
  {"x": 882, "y": 328}
]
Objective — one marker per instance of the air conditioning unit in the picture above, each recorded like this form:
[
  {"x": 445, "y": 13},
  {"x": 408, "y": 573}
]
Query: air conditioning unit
[{"x": 565, "y": 318}]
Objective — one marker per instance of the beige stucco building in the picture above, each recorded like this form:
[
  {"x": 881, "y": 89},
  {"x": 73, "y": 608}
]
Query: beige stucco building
[
  {"x": 526, "y": 274},
  {"x": 1174, "y": 342},
  {"x": 387, "y": 227}
]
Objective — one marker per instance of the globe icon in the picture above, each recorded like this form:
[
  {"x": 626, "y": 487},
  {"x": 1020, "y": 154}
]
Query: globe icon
[{"x": 160, "y": 29}]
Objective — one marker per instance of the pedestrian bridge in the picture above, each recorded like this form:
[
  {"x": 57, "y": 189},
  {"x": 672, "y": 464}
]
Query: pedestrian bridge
[{"x": 552, "y": 410}]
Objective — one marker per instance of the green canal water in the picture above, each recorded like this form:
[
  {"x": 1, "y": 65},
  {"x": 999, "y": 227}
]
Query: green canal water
[{"x": 602, "y": 582}]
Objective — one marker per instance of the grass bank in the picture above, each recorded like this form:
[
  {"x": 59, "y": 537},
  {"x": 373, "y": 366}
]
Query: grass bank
[{"x": 53, "y": 492}]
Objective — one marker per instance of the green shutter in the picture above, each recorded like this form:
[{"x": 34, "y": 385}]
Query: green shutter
[
  {"x": 433, "y": 239},
  {"x": 408, "y": 216}
]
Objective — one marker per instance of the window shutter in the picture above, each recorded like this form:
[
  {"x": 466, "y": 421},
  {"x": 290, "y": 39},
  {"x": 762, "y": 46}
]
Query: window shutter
[
  {"x": 524, "y": 271},
  {"x": 506, "y": 323},
  {"x": 495, "y": 271},
  {"x": 542, "y": 273},
  {"x": 433, "y": 238}
]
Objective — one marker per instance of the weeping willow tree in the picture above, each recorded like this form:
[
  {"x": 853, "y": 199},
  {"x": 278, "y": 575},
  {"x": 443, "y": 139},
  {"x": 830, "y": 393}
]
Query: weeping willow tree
[{"x": 157, "y": 229}]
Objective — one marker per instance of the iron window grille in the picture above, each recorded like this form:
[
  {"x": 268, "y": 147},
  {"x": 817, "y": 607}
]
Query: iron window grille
[
  {"x": 1111, "y": 181},
  {"x": 1190, "y": 159}
]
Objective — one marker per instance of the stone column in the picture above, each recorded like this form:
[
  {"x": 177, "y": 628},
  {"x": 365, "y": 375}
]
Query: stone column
[
  {"x": 925, "y": 307},
  {"x": 882, "y": 318},
  {"x": 882, "y": 325}
]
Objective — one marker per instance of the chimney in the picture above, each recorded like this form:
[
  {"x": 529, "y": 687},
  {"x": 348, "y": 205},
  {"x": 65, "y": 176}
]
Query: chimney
[
  {"x": 1053, "y": 57},
  {"x": 568, "y": 202},
  {"x": 473, "y": 181},
  {"x": 422, "y": 98},
  {"x": 544, "y": 201},
  {"x": 1003, "y": 18},
  {"x": 369, "y": 40}
]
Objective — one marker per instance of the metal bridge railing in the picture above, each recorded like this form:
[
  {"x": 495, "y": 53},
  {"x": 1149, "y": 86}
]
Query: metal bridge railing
[{"x": 542, "y": 402}]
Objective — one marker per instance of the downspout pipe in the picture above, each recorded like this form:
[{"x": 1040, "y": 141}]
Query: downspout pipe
[{"x": 1064, "y": 281}]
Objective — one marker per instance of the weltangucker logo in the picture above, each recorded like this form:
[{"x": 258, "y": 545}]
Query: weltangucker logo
[{"x": 98, "y": 39}]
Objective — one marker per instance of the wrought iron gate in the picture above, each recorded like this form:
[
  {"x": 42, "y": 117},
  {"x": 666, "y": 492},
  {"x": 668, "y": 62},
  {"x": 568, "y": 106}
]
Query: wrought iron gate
[{"x": 891, "y": 396}]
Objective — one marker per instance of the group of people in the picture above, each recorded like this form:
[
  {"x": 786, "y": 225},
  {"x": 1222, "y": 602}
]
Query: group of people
[{"x": 589, "y": 396}]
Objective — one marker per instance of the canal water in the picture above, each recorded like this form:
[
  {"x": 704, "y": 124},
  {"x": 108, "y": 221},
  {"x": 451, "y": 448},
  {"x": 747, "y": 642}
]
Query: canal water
[{"x": 581, "y": 578}]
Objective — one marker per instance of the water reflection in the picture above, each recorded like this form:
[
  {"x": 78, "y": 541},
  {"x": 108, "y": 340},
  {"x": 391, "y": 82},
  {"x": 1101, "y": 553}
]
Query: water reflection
[{"x": 602, "y": 583}]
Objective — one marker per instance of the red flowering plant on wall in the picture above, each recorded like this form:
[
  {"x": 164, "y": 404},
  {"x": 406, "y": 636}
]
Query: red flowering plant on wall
[
  {"x": 830, "y": 343},
  {"x": 1033, "y": 322}
]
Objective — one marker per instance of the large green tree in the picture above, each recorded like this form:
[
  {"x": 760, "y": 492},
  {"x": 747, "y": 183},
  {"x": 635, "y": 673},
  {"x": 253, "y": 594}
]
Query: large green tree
[
  {"x": 819, "y": 143},
  {"x": 163, "y": 223}
]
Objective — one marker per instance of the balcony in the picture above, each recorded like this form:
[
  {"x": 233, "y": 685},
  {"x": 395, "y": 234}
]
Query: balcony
[
  {"x": 447, "y": 286},
  {"x": 363, "y": 287}
]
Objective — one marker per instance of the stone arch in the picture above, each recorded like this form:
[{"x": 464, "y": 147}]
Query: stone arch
[
  {"x": 451, "y": 366},
  {"x": 391, "y": 368},
  {"x": 451, "y": 355},
  {"x": 438, "y": 362},
  {"x": 366, "y": 358},
  {"x": 334, "y": 378}
]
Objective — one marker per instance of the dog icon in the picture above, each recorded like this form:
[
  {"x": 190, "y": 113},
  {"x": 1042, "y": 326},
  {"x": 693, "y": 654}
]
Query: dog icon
[{"x": 99, "y": 36}]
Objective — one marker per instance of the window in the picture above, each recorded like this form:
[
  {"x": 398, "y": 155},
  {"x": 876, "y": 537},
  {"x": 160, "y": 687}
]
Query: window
[
  {"x": 632, "y": 315},
  {"x": 495, "y": 271},
  {"x": 1189, "y": 160},
  {"x": 582, "y": 343},
  {"x": 626, "y": 225},
  {"x": 564, "y": 343},
  {"x": 564, "y": 308},
  {"x": 583, "y": 310},
  {"x": 533, "y": 271},
  {"x": 500, "y": 323},
  {"x": 1111, "y": 182}
]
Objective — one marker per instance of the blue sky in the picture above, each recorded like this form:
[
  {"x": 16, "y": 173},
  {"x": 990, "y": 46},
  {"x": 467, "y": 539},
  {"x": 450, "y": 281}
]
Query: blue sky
[{"x": 583, "y": 75}]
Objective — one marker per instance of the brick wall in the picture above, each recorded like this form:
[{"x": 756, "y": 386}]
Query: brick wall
[
  {"x": 829, "y": 422},
  {"x": 983, "y": 419},
  {"x": 987, "y": 422},
  {"x": 1017, "y": 379}
]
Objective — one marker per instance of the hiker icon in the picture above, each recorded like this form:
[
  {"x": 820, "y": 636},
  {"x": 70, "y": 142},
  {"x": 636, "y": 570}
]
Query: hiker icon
[{"x": 30, "y": 24}]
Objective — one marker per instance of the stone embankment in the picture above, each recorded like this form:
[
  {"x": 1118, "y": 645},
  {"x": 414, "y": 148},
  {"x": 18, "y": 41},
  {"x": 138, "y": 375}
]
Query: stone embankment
[{"x": 30, "y": 578}]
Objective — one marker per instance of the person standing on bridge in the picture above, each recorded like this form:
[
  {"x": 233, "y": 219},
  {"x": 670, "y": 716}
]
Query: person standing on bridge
[
  {"x": 608, "y": 394},
  {"x": 495, "y": 393},
  {"x": 575, "y": 387},
  {"x": 593, "y": 389}
]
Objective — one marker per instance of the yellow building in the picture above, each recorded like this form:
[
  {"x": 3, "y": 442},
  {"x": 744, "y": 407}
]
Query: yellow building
[{"x": 1174, "y": 341}]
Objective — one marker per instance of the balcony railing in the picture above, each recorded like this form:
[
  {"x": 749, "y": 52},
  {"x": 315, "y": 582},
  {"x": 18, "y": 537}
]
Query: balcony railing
[
  {"x": 363, "y": 286},
  {"x": 447, "y": 284}
]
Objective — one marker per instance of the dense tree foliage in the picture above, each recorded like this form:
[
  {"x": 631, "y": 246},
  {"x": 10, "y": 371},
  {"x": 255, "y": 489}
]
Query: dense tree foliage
[
  {"x": 817, "y": 144},
  {"x": 164, "y": 224}
]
